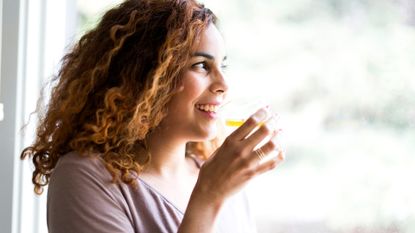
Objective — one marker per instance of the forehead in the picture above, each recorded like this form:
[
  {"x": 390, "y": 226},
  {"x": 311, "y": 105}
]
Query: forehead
[{"x": 211, "y": 42}]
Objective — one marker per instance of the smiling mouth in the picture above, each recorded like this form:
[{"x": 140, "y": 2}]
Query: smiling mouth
[{"x": 207, "y": 107}]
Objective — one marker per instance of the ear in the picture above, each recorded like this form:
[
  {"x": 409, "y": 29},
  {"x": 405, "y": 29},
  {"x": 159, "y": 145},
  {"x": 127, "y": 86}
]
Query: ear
[{"x": 180, "y": 88}]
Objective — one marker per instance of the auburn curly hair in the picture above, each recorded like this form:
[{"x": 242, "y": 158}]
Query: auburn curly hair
[{"x": 113, "y": 87}]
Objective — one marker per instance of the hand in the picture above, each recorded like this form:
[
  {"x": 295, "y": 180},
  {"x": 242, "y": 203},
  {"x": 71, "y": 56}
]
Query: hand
[{"x": 236, "y": 162}]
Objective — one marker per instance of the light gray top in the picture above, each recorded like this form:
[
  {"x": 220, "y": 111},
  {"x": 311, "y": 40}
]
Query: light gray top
[{"x": 82, "y": 198}]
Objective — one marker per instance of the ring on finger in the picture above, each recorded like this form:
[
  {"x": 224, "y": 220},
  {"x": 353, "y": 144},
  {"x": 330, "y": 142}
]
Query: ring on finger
[{"x": 260, "y": 154}]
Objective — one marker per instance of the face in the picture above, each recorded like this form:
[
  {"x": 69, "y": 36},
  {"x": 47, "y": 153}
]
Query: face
[{"x": 192, "y": 111}]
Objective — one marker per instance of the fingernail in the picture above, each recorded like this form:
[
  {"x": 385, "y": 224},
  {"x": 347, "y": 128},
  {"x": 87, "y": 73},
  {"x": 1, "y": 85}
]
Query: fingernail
[{"x": 260, "y": 115}]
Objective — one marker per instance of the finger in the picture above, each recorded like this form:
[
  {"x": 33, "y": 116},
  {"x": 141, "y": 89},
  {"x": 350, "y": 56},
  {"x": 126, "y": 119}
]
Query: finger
[
  {"x": 272, "y": 146},
  {"x": 250, "y": 124},
  {"x": 270, "y": 164},
  {"x": 267, "y": 129}
]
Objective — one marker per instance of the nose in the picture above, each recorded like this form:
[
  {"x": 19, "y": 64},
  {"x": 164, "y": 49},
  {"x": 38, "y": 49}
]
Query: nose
[{"x": 219, "y": 85}]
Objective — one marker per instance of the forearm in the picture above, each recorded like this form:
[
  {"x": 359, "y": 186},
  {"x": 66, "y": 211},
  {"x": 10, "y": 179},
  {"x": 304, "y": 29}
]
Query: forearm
[{"x": 201, "y": 214}]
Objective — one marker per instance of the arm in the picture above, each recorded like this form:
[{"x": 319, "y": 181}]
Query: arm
[
  {"x": 227, "y": 171},
  {"x": 200, "y": 214}
]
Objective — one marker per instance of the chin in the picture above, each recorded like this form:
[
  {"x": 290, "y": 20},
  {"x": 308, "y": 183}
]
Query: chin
[{"x": 207, "y": 135}]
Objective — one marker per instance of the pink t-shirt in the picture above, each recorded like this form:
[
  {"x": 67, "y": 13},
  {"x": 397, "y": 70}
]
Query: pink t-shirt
[{"x": 82, "y": 198}]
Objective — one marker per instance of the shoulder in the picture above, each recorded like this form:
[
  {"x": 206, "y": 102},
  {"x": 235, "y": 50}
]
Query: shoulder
[
  {"x": 74, "y": 172},
  {"x": 74, "y": 160},
  {"x": 77, "y": 177},
  {"x": 82, "y": 197},
  {"x": 86, "y": 175}
]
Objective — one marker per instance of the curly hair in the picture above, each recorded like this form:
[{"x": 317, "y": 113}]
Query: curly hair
[{"x": 114, "y": 85}]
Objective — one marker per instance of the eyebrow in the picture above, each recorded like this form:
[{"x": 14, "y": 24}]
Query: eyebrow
[{"x": 206, "y": 55}]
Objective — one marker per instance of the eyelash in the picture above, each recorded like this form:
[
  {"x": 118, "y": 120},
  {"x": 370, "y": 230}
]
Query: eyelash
[{"x": 206, "y": 66}]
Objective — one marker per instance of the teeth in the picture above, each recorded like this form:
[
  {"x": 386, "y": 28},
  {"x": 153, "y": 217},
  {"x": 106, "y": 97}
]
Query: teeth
[{"x": 207, "y": 107}]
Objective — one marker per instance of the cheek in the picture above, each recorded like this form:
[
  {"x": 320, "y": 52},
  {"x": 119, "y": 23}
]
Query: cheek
[
  {"x": 186, "y": 95},
  {"x": 193, "y": 87}
]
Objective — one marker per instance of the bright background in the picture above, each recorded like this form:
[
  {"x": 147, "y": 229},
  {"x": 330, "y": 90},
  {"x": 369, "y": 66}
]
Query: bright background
[{"x": 339, "y": 72}]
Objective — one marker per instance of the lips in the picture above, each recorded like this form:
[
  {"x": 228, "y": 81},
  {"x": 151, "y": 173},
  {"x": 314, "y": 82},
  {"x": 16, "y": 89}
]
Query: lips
[{"x": 208, "y": 107}]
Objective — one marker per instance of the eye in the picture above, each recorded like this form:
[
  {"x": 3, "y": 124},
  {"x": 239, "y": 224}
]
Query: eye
[
  {"x": 201, "y": 65},
  {"x": 224, "y": 67}
]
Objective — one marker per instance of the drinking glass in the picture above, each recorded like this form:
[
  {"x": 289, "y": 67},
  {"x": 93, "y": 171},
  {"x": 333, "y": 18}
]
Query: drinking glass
[{"x": 235, "y": 112}]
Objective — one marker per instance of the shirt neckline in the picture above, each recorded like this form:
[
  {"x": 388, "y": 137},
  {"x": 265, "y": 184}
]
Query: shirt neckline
[
  {"x": 198, "y": 163},
  {"x": 155, "y": 191}
]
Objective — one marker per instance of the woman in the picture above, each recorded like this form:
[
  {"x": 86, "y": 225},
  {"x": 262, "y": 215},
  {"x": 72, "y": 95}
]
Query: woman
[{"x": 128, "y": 142}]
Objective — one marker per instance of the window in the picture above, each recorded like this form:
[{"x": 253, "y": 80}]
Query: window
[
  {"x": 339, "y": 72},
  {"x": 34, "y": 37}
]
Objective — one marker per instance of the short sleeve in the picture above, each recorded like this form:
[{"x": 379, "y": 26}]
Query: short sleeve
[{"x": 81, "y": 198}]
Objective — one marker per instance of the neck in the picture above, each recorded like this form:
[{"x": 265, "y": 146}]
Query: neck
[{"x": 167, "y": 154}]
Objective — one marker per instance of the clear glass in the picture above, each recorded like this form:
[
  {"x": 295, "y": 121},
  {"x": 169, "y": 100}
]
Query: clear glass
[{"x": 235, "y": 112}]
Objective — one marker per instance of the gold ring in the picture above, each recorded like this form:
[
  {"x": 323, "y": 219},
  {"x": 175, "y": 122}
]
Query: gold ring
[{"x": 261, "y": 155}]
